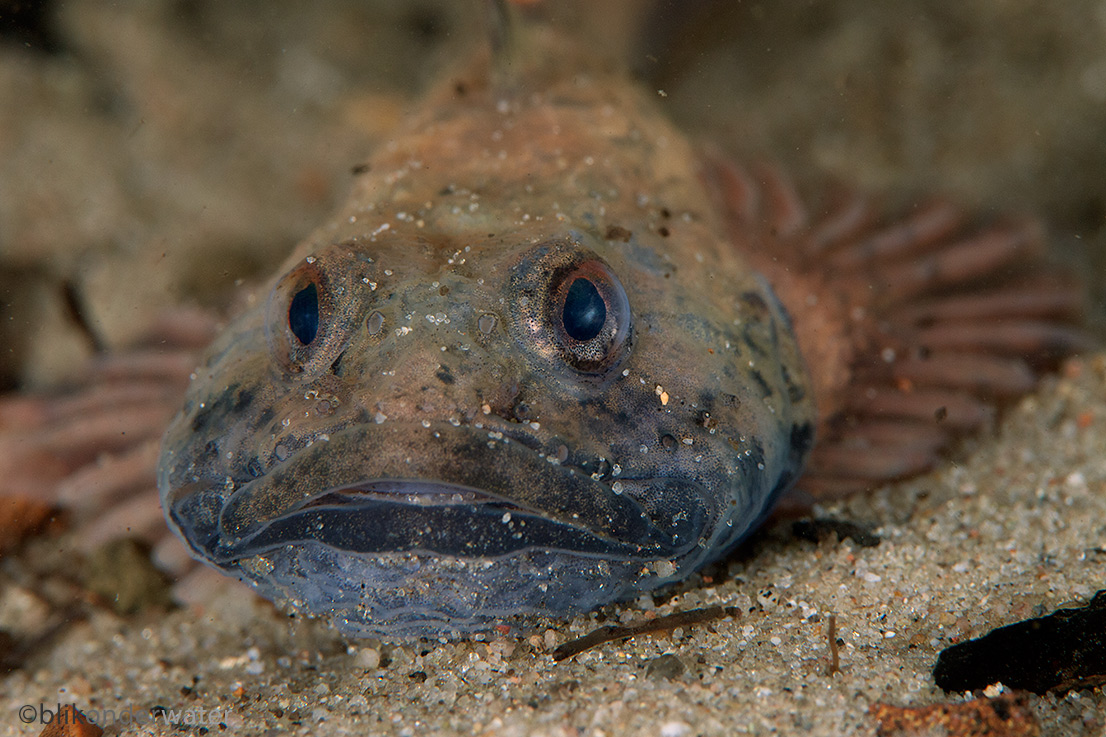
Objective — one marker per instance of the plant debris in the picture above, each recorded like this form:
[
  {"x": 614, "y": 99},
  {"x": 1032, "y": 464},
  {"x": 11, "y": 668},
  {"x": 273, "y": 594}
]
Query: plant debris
[
  {"x": 834, "y": 665},
  {"x": 1007, "y": 715},
  {"x": 650, "y": 626}
]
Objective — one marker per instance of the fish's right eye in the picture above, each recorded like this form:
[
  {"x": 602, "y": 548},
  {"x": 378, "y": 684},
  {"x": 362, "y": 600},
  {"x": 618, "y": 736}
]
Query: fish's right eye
[
  {"x": 314, "y": 308},
  {"x": 303, "y": 314}
]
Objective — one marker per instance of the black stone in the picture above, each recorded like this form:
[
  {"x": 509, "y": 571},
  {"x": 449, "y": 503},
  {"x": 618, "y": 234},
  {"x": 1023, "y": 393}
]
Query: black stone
[
  {"x": 1059, "y": 652},
  {"x": 816, "y": 530}
]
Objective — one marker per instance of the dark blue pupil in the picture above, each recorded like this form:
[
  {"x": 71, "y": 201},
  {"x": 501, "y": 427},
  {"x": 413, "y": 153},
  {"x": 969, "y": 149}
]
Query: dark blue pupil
[
  {"x": 585, "y": 312},
  {"x": 303, "y": 314}
]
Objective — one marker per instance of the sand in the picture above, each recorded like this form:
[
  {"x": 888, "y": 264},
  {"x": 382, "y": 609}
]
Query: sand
[{"x": 178, "y": 147}]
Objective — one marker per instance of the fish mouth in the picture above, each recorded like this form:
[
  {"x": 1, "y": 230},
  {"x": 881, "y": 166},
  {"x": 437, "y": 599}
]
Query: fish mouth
[{"x": 444, "y": 490}]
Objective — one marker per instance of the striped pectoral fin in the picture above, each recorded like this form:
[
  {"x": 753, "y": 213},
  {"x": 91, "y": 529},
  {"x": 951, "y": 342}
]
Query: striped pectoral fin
[
  {"x": 915, "y": 329},
  {"x": 90, "y": 450}
]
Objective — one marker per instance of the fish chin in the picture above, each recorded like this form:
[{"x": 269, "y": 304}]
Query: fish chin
[
  {"x": 404, "y": 595},
  {"x": 416, "y": 557}
]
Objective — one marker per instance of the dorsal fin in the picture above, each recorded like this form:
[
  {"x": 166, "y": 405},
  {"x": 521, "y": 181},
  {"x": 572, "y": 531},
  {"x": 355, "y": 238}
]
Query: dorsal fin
[
  {"x": 518, "y": 56},
  {"x": 502, "y": 29},
  {"x": 534, "y": 43}
]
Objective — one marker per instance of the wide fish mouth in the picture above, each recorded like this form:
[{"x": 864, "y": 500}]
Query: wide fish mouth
[{"x": 439, "y": 489}]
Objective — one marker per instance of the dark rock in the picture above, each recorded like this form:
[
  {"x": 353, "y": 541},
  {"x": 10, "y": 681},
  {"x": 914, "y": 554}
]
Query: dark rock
[
  {"x": 1062, "y": 651},
  {"x": 816, "y": 530}
]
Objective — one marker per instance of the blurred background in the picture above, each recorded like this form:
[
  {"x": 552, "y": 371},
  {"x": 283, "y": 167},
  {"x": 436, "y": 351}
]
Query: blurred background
[{"x": 154, "y": 152}]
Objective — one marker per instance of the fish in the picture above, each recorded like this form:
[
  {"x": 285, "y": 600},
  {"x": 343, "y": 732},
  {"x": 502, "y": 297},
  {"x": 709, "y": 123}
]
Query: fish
[
  {"x": 552, "y": 354},
  {"x": 466, "y": 397}
]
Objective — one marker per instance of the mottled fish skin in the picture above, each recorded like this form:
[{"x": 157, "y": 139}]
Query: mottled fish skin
[{"x": 439, "y": 453}]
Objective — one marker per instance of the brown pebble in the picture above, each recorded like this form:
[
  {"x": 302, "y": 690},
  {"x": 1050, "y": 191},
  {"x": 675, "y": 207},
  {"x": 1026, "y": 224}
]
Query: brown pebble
[
  {"x": 665, "y": 667},
  {"x": 70, "y": 722},
  {"x": 22, "y": 517}
]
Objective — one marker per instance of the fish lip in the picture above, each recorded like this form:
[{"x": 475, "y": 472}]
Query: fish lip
[
  {"x": 411, "y": 491},
  {"x": 422, "y": 517},
  {"x": 455, "y": 490}
]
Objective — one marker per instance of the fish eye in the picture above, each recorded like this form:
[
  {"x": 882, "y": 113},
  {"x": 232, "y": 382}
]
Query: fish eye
[
  {"x": 569, "y": 308},
  {"x": 303, "y": 314},
  {"x": 301, "y": 317},
  {"x": 590, "y": 315},
  {"x": 314, "y": 308},
  {"x": 584, "y": 310}
]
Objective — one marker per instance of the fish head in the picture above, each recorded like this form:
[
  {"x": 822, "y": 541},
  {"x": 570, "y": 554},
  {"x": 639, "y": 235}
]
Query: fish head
[{"x": 519, "y": 373}]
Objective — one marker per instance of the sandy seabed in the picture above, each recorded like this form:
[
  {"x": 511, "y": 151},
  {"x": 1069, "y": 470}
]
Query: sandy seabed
[{"x": 176, "y": 147}]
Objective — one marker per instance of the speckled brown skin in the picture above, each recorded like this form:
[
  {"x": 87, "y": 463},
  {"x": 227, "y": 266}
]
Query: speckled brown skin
[
  {"x": 442, "y": 357},
  {"x": 441, "y": 362}
]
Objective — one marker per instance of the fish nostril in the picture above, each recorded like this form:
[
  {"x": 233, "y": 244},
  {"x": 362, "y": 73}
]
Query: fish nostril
[
  {"x": 444, "y": 374},
  {"x": 254, "y": 468},
  {"x": 486, "y": 323},
  {"x": 374, "y": 323}
]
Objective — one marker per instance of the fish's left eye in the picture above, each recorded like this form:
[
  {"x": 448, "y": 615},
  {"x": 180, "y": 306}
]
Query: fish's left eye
[{"x": 590, "y": 315}]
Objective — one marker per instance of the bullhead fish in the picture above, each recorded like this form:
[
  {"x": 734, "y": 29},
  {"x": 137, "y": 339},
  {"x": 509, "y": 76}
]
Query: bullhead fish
[{"x": 551, "y": 354}]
